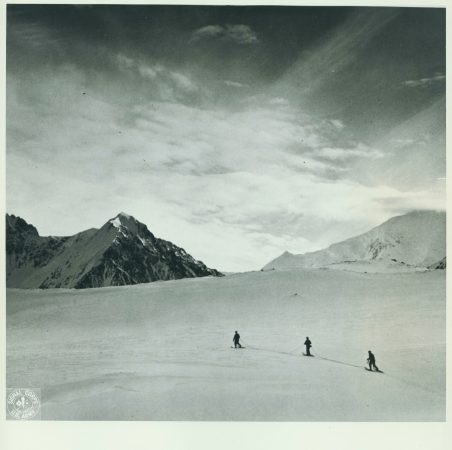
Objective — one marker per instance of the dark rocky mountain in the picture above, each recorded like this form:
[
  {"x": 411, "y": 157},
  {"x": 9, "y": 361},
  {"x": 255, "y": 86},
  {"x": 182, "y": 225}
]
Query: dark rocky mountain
[{"x": 122, "y": 252}]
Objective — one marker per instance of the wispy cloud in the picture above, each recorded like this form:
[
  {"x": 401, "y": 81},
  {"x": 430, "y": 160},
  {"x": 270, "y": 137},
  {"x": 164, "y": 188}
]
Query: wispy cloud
[
  {"x": 169, "y": 84},
  {"x": 338, "y": 50},
  {"x": 147, "y": 72},
  {"x": 183, "y": 82},
  {"x": 35, "y": 35},
  {"x": 338, "y": 124},
  {"x": 240, "y": 34},
  {"x": 425, "y": 82},
  {"x": 208, "y": 32},
  {"x": 234, "y": 84},
  {"x": 347, "y": 154}
]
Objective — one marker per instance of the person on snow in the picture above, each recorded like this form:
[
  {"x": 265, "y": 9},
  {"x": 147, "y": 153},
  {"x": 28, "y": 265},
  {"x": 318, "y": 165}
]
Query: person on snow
[
  {"x": 236, "y": 340},
  {"x": 308, "y": 345},
  {"x": 371, "y": 361}
]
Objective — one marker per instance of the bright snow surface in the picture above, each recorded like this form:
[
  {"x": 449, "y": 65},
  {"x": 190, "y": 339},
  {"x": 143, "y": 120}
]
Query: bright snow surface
[
  {"x": 116, "y": 222},
  {"x": 162, "y": 351}
]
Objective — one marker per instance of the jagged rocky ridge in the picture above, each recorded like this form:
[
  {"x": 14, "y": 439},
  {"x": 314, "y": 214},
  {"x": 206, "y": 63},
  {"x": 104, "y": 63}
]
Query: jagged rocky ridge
[
  {"x": 121, "y": 252},
  {"x": 417, "y": 239},
  {"x": 440, "y": 265}
]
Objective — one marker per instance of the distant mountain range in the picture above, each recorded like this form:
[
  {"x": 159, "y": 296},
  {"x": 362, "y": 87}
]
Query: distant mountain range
[
  {"x": 121, "y": 252},
  {"x": 417, "y": 238}
]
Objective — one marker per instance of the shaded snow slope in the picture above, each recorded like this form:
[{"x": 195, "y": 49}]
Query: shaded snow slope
[
  {"x": 122, "y": 252},
  {"x": 417, "y": 238},
  {"x": 161, "y": 351}
]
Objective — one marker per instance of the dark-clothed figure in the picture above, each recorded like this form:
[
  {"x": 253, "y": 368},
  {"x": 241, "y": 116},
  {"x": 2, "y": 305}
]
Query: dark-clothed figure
[
  {"x": 371, "y": 361},
  {"x": 308, "y": 344},
  {"x": 236, "y": 340}
]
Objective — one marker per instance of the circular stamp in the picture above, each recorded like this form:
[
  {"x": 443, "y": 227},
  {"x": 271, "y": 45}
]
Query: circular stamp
[{"x": 23, "y": 404}]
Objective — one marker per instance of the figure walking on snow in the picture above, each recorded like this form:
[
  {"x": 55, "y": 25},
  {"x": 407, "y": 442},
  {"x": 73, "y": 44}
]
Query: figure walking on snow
[
  {"x": 236, "y": 340},
  {"x": 308, "y": 344},
  {"x": 371, "y": 361}
]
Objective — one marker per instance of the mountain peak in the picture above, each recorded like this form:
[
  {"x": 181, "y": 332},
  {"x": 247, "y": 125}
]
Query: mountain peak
[
  {"x": 122, "y": 252},
  {"x": 417, "y": 238},
  {"x": 122, "y": 219}
]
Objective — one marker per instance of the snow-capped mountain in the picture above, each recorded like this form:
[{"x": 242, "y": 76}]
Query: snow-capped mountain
[
  {"x": 121, "y": 252},
  {"x": 417, "y": 238}
]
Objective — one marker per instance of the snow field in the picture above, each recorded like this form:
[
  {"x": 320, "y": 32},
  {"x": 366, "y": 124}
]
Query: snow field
[{"x": 161, "y": 351}]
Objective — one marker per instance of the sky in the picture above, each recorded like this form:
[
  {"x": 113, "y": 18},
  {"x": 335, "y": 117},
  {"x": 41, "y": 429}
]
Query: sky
[{"x": 237, "y": 133}]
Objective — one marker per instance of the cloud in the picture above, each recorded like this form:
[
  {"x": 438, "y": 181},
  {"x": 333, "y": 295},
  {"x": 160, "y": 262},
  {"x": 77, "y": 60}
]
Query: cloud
[
  {"x": 131, "y": 65},
  {"x": 279, "y": 101},
  {"x": 207, "y": 32},
  {"x": 234, "y": 84},
  {"x": 32, "y": 33},
  {"x": 183, "y": 82},
  {"x": 415, "y": 150},
  {"x": 240, "y": 34},
  {"x": 316, "y": 66},
  {"x": 400, "y": 143},
  {"x": 235, "y": 173},
  {"x": 346, "y": 154},
  {"x": 147, "y": 72},
  {"x": 233, "y": 183},
  {"x": 425, "y": 82},
  {"x": 125, "y": 62},
  {"x": 338, "y": 124},
  {"x": 264, "y": 178},
  {"x": 168, "y": 84}
]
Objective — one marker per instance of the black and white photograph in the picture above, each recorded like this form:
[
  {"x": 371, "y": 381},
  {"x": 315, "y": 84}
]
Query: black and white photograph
[{"x": 225, "y": 213}]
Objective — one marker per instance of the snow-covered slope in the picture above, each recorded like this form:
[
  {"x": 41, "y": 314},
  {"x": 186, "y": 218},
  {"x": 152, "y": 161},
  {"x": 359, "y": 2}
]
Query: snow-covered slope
[
  {"x": 122, "y": 252},
  {"x": 161, "y": 351},
  {"x": 417, "y": 238}
]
